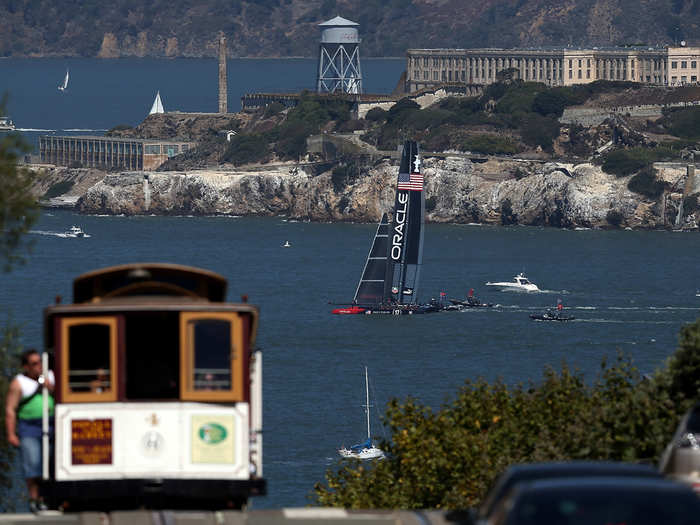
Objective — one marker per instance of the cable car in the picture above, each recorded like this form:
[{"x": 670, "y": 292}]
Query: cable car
[{"x": 158, "y": 395}]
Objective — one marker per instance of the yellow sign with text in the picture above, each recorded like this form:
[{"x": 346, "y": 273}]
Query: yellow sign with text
[{"x": 212, "y": 438}]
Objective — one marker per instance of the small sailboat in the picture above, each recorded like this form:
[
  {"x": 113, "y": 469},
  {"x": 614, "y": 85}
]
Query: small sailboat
[
  {"x": 286, "y": 244},
  {"x": 64, "y": 85},
  {"x": 365, "y": 450},
  {"x": 157, "y": 106}
]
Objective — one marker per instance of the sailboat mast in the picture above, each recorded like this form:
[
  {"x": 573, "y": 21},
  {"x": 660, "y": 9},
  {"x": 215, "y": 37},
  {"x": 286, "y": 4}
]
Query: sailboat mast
[{"x": 367, "y": 401}]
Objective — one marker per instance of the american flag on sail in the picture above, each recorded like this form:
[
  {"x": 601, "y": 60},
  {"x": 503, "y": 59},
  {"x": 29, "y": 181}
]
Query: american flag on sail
[{"x": 413, "y": 182}]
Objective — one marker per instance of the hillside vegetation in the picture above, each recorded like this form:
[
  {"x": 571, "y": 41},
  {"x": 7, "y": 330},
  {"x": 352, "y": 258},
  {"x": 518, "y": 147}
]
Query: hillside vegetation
[{"x": 278, "y": 28}]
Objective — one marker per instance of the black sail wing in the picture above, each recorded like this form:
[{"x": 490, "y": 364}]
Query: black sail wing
[
  {"x": 406, "y": 233},
  {"x": 370, "y": 289}
]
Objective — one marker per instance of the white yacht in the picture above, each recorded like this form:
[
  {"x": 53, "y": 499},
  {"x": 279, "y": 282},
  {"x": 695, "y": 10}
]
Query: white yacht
[
  {"x": 6, "y": 124},
  {"x": 75, "y": 231},
  {"x": 520, "y": 283}
]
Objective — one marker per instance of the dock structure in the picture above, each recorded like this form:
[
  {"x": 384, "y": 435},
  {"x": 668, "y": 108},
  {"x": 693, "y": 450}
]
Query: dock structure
[
  {"x": 108, "y": 152},
  {"x": 223, "y": 86}
]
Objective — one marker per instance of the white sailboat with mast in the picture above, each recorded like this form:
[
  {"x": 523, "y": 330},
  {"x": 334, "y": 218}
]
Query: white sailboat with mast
[
  {"x": 64, "y": 85},
  {"x": 157, "y": 106},
  {"x": 365, "y": 450}
]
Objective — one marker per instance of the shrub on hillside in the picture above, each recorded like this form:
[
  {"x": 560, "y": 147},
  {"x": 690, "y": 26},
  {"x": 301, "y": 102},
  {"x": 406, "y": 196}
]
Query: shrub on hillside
[
  {"x": 490, "y": 145},
  {"x": 247, "y": 148},
  {"x": 273, "y": 109},
  {"x": 684, "y": 123},
  {"x": 645, "y": 183},
  {"x": 58, "y": 189},
  {"x": 623, "y": 162},
  {"x": 376, "y": 115},
  {"x": 537, "y": 130}
]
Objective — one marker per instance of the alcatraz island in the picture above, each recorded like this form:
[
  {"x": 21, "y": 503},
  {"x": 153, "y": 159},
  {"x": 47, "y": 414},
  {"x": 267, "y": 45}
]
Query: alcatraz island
[{"x": 569, "y": 138}]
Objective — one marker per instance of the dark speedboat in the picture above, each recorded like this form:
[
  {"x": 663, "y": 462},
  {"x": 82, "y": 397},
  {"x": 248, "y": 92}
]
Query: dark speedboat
[
  {"x": 470, "y": 302},
  {"x": 551, "y": 316},
  {"x": 389, "y": 282}
]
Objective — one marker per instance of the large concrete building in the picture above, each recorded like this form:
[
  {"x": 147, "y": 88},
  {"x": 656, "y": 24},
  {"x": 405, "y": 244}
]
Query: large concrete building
[
  {"x": 671, "y": 66},
  {"x": 108, "y": 152}
]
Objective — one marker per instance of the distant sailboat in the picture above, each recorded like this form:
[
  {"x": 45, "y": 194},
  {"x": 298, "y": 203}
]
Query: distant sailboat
[
  {"x": 64, "y": 86},
  {"x": 157, "y": 106}
]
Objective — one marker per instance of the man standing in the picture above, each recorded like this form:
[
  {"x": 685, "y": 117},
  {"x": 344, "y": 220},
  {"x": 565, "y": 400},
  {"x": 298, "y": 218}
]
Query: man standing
[{"x": 23, "y": 420}]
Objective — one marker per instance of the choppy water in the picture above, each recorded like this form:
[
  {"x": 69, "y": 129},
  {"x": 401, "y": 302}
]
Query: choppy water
[{"x": 628, "y": 290}]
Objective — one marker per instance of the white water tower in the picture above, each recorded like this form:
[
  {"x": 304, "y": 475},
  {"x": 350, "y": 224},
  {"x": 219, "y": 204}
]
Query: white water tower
[{"x": 339, "y": 58}]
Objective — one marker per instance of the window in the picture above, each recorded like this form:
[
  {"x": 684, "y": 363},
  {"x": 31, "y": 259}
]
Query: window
[
  {"x": 211, "y": 356},
  {"x": 88, "y": 356},
  {"x": 588, "y": 73},
  {"x": 693, "y": 78},
  {"x": 684, "y": 79},
  {"x": 693, "y": 64},
  {"x": 674, "y": 65},
  {"x": 152, "y": 149},
  {"x": 579, "y": 63},
  {"x": 684, "y": 64},
  {"x": 588, "y": 62},
  {"x": 571, "y": 63},
  {"x": 570, "y": 74}
]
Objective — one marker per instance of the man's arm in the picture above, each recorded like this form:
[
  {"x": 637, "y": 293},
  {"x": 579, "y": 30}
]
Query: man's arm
[{"x": 13, "y": 396}]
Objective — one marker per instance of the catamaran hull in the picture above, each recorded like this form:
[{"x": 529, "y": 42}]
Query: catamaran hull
[{"x": 353, "y": 310}]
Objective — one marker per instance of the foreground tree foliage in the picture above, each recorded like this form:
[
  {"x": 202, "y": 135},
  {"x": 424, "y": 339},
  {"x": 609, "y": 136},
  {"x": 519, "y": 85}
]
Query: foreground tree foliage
[
  {"x": 450, "y": 457},
  {"x": 18, "y": 207}
]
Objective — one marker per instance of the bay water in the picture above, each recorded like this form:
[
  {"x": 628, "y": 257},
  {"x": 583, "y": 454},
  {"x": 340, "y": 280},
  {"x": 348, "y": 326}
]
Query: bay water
[{"x": 629, "y": 291}]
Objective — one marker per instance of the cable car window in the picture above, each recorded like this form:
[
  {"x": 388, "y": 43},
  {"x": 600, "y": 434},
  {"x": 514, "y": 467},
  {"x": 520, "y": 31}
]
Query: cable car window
[
  {"x": 211, "y": 356},
  {"x": 88, "y": 359}
]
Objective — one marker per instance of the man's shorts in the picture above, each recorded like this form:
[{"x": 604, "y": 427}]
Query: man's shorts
[{"x": 30, "y": 449}]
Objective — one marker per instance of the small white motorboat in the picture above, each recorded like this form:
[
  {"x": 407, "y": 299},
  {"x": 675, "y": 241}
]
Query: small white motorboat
[
  {"x": 6, "y": 124},
  {"x": 520, "y": 283},
  {"x": 286, "y": 244},
  {"x": 75, "y": 231}
]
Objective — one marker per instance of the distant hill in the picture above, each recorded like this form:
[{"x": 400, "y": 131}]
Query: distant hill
[{"x": 283, "y": 28}]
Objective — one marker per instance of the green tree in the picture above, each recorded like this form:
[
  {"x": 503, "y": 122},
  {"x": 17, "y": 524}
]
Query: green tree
[
  {"x": 18, "y": 207},
  {"x": 448, "y": 458}
]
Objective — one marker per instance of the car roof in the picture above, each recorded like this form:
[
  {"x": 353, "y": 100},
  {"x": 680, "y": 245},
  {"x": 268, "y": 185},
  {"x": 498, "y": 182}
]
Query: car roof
[
  {"x": 566, "y": 468},
  {"x": 607, "y": 482},
  {"x": 524, "y": 472}
]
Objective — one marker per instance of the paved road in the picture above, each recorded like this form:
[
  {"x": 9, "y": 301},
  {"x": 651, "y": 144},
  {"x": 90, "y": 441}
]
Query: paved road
[{"x": 291, "y": 516}]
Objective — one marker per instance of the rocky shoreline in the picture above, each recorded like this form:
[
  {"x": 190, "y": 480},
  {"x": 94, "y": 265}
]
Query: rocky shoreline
[{"x": 457, "y": 191}]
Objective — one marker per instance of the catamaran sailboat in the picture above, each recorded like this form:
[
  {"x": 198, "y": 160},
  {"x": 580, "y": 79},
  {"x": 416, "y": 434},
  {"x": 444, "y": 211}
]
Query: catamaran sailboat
[
  {"x": 64, "y": 85},
  {"x": 365, "y": 450},
  {"x": 389, "y": 282}
]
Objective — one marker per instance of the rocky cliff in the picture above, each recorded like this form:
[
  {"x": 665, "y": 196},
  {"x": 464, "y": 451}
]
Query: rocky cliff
[{"x": 457, "y": 190}]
